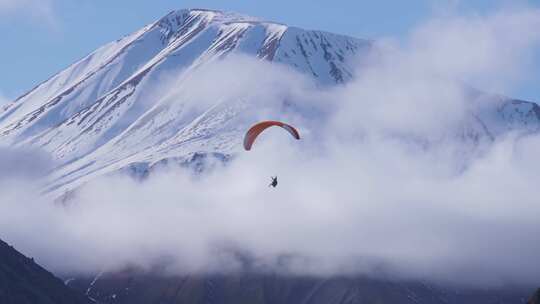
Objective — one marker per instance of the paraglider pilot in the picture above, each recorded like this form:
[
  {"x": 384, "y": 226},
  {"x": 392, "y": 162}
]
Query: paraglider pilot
[{"x": 274, "y": 182}]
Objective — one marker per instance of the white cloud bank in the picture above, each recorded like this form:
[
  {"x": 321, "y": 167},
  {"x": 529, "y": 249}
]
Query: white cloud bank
[{"x": 361, "y": 194}]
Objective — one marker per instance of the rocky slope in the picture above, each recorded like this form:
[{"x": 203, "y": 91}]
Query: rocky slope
[
  {"x": 135, "y": 287},
  {"x": 22, "y": 281}
]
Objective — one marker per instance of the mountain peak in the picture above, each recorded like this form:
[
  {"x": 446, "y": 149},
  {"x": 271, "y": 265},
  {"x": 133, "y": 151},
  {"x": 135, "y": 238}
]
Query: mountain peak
[{"x": 215, "y": 16}]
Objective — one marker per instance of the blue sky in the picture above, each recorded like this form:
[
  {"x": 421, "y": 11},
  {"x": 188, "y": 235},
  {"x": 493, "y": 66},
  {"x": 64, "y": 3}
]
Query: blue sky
[{"x": 41, "y": 37}]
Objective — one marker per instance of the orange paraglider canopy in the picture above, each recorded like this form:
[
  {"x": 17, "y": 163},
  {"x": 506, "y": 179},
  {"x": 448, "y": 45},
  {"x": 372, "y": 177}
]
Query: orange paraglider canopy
[{"x": 258, "y": 128}]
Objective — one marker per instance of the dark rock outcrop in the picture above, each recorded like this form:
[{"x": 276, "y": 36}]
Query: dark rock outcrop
[
  {"x": 535, "y": 299},
  {"x": 22, "y": 281}
]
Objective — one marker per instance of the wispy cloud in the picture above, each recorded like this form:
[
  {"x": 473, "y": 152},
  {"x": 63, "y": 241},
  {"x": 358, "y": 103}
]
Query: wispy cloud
[
  {"x": 38, "y": 11},
  {"x": 3, "y": 99}
]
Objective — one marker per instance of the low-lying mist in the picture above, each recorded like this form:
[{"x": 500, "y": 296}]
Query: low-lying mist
[{"x": 379, "y": 185}]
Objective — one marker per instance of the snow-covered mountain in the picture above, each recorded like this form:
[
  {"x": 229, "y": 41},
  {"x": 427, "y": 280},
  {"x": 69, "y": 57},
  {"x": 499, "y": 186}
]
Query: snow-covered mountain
[
  {"x": 95, "y": 116},
  {"x": 111, "y": 110}
]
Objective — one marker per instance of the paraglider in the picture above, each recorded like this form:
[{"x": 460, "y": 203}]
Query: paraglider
[{"x": 258, "y": 128}]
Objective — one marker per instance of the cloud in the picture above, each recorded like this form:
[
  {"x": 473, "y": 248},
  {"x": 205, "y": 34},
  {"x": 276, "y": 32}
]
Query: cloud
[
  {"x": 476, "y": 48},
  {"x": 20, "y": 163},
  {"x": 380, "y": 208},
  {"x": 3, "y": 99},
  {"x": 40, "y": 11},
  {"x": 418, "y": 85},
  {"x": 381, "y": 184}
]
